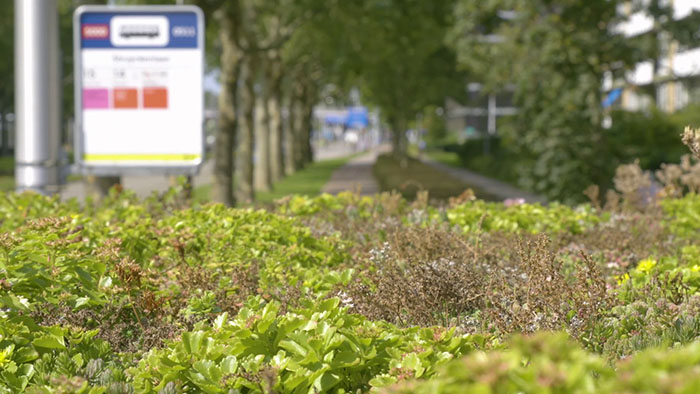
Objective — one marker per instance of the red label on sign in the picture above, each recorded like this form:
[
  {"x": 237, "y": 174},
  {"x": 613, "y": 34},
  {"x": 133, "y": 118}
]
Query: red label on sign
[
  {"x": 155, "y": 97},
  {"x": 95, "y": 31}
]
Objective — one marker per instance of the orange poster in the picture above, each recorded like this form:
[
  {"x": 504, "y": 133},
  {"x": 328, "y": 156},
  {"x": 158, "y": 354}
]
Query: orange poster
[
  {"x": 155, "y": 97},
  {"x": 126, "y": 98}
]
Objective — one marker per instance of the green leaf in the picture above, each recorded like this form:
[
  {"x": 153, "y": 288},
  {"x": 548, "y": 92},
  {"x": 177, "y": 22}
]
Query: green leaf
[
  {"x": 326, "y": 381},
  {"x": 382, "y": 381},
  {"x": 413, "y": 362},
  {"x": 81, "y": 301},
  {"x": 49, "y": 342},
  {"x": 293, "y": 347},
  {"x": 329, "y": 304},
  {"x": 192, "y": 341},
  {"x": 229, "y": 365},
  {"x": 25, "y": 354},
  {"x": 105, "y": 281},
  {"x": 345, "y": 359}
]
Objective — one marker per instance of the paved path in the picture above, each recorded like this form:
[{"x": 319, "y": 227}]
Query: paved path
[
  {"x": 143, "y": 186},
  {"x": 333, "y": 150},
  {"x": 356, "y": 175},
  {"x": 491, "y": 186}
]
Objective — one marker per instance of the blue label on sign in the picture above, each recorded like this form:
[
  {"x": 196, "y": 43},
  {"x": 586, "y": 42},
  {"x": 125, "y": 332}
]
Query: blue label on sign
[{"x": 139, "y": 30}]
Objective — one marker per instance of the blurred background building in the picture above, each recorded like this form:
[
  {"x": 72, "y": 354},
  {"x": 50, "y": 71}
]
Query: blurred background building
[{"x": 672, "y": 79}]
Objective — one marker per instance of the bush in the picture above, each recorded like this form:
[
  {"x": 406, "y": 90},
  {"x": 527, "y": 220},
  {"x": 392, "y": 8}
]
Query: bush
[
  {"x": 652, "y": 138},
  {"x": 345, "y": 293}
]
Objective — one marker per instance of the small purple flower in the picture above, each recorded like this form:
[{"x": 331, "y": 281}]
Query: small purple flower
[{"x": 513, "y": 201}]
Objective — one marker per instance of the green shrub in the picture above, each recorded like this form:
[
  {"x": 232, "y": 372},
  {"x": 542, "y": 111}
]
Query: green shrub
[
  {"x": 532, "y": 218},
  {"x": 345, "y": 293},
  {"x": 544, "y": 363},
  {"x": 319, "y": 347}
]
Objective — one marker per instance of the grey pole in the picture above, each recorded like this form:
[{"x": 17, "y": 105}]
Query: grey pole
[{"x": 37, "y": 96}]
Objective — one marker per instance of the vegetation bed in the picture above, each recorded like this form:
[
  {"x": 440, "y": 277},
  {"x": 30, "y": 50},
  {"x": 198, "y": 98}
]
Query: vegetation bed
[
  {"x": 413, "y": 176},
  {"x": 346, "y": 294}
]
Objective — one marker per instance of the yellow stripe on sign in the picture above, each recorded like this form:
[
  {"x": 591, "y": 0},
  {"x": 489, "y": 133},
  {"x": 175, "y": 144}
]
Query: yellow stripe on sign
[{"x": 142, "y": 157}]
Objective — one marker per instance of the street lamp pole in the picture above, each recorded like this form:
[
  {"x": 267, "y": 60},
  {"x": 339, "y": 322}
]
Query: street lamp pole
[{"x": 37, "y": 96}]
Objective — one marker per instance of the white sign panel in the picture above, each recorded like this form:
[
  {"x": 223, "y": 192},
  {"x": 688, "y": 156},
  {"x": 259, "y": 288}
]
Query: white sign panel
[{"x": 139, "y": 89}]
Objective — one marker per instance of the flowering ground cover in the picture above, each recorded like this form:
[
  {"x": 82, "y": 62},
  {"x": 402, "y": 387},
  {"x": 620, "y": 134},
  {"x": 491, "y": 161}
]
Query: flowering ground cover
[{"x": 353, "y": 294}]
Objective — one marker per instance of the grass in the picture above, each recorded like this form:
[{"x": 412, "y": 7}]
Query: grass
[
  {"x": 7, "y": 173},
  {"x": 7, "y": 165},
  {"x": 7, "y": 183},
  {"x": 490, "y": 166},
  {"x": 448, "y": 158},
  {"x": 416, "y": 176},
  {"x": 307, "y": 181}
]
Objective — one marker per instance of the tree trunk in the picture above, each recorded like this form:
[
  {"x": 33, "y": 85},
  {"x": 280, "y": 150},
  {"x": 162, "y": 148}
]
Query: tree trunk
[
  {"x": 224, "y": 159},
  {"x": 289, "y": 136},
  {"x": 297, "y": 123},
  {"x": 262, "y": 143},
  {"x": 399, "y": 141},
  {"x": 273, "y": 78},
  {"x": 309, "y": 94},
  {"x": 4, "y": 126},
  {"x": 245, "y": 169}
]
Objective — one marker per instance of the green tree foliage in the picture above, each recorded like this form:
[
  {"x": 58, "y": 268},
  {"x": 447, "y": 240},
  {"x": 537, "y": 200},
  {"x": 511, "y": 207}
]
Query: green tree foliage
[
  {"x": 555, "y": 53},
  {"x": 394, "y": 50}
]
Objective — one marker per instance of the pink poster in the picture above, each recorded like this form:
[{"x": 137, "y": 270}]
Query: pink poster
[{"x": 95, "y": 98}]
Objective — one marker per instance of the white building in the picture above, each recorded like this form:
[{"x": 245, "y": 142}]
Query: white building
[{"x": 677, "y": 75}]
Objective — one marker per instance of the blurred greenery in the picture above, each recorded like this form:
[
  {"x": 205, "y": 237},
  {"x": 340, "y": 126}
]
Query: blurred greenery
[
  {"x": 406, "y": 57},
  {"x": 652, "y": 137},
  {"x": 307, "y": 182},
  {"x": 555, "y": 55},
  {"x": 416, "y": 176}
]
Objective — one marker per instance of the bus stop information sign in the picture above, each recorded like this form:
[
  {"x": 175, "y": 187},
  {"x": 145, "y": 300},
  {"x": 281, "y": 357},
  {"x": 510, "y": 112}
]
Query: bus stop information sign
[{"x": 139, "y": 94}]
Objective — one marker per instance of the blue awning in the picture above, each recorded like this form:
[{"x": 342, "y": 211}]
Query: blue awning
[
  {"x": 358, "y": 117},
  {"x": 335, "y": 120}
]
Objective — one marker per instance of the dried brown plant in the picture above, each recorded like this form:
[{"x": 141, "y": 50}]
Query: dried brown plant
[
  {"x": 691, "y": 138},
  {"x": 631, "y": 180},
  {"x": 540, "y": 297},
  {"x": 420, "y": 276}
]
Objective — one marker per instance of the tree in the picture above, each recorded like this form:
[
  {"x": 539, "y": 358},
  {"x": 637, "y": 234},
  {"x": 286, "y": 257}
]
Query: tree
[
  {"x": 245, "y": 192},
  {"x": 263, "y": 131},
  {"x": 224, "y": 40},
  {"x": 247, "y": 29},
  {"x": 273, "y": 103},
  {"x": 400, "y": 59},
  {"x": 555, "y": 53}
]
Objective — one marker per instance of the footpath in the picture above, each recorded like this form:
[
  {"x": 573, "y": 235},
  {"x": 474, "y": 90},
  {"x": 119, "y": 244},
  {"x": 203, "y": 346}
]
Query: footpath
[
  {"x": 498, "y": 189},
  {"x": 356, "y": 175}
]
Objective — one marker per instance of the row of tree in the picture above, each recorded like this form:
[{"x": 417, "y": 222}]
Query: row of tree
[
  {"x": 291, "y": 49},
  {"x": 275, "y": 57}
]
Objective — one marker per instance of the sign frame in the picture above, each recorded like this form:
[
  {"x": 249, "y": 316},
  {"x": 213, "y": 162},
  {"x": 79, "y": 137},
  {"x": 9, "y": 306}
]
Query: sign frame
[{"x": 78, "y": 133}]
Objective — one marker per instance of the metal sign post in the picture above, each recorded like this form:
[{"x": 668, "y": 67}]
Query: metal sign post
[
  {"x": 139, "y": 89},
  {"x": 37, "y": 96}
]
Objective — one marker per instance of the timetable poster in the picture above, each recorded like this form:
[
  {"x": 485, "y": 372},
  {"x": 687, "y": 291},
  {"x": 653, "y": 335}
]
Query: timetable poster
[{"x": 140, "y": 88}]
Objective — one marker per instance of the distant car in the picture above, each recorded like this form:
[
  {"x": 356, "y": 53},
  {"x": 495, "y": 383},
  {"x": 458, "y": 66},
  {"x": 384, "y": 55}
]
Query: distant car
[{"x": 351, "y": 137}]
